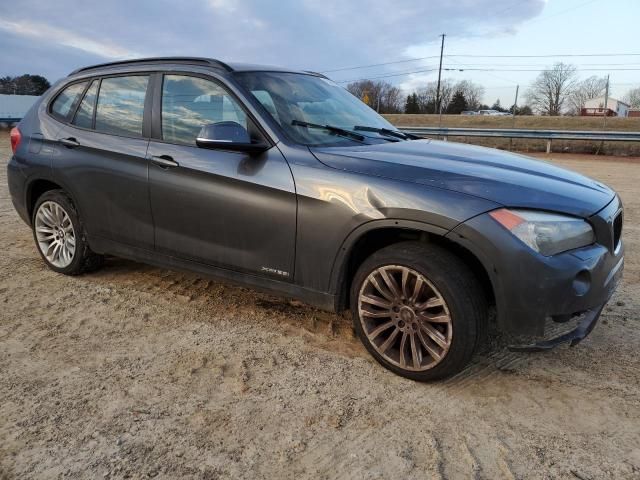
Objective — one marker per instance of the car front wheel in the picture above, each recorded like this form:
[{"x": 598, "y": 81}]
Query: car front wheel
[{"x": 418, "y": 310}]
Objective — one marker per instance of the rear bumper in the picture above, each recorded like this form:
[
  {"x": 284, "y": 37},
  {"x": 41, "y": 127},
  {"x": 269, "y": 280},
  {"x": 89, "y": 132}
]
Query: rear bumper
[
  {"x": 530, "y": 288},
  {"x": 17, "y": 182}
]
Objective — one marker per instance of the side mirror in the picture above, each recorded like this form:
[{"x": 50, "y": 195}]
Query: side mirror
[{"x": 228, "y": 136}]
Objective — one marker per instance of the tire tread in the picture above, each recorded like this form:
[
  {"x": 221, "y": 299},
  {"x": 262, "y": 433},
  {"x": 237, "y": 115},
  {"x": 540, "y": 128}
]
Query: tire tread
[{"x": 449, "y": 273}]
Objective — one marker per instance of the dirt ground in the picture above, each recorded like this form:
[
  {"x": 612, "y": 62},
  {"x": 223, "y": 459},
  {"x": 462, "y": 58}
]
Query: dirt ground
[{"x": 138, "y": 372}]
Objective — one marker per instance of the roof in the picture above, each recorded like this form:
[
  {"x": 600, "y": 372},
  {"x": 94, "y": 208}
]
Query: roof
[
  {"x": 610, "y": 100},
  {"x": 200, "y": 61}
]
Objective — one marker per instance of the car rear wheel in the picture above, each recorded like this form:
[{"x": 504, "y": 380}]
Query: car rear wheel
[
  {"x": 419, "y": 310},
  {"x": 60, "y": 236}
]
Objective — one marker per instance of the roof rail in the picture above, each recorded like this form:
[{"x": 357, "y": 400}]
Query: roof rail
[
  {"x": 317, "y": 74},
  {"x": 154, "y": 60}
]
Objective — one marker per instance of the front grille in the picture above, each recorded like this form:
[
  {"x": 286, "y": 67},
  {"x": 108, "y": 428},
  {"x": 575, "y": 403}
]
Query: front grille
[{"x": 617, "y": 229}]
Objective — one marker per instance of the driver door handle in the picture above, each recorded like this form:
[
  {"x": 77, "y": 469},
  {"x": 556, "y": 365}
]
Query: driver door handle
[
  {"x": 164, "y": 161},
  {"x": 69, "y": 142}
]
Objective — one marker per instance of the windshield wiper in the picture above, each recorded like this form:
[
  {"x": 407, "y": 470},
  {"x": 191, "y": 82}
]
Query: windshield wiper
[
  {"x": 337, "y": 130},
  {"x": 387, "y": 132}
]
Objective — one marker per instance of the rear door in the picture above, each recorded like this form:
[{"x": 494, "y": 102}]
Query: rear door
[
  {"x": 223, "y": 208},
  {"x": 102, "y": 159}
]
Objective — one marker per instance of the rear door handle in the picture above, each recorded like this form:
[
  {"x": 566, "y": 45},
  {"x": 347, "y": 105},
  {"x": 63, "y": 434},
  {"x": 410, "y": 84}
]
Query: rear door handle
[
  {"x": 70, "y": 142},
  {"x": 164, "y": 161}
]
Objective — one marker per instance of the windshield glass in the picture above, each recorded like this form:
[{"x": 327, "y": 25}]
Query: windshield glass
[{"x": 295, "y": 98}]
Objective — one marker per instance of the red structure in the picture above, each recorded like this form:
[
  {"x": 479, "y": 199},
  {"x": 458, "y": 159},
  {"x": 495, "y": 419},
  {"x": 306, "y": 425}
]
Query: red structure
[{"x": 597, "y": 112}]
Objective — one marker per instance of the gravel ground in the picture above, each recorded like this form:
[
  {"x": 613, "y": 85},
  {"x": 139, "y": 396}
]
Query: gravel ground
[{"x": 138, "y": 372}]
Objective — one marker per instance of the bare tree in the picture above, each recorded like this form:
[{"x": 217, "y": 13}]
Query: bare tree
[
  {"x": 472, "y": 92},
  {"x": 551, "y": 89},
  {"x": 427, "y": 95},
  {"x": 592, "y": 87},
  {"x": 393, "y": 100},
  {"x": 381, "y": 96},
  {"x": 632, "y": 97}
]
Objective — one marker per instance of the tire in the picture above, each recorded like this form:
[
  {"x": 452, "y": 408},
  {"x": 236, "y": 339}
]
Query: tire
[
  {"x": 56, "y": 220},
  {"x": 438, "y": 325}
]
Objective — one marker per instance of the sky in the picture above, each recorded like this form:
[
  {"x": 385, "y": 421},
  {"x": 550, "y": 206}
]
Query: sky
[{"x": 52, "y": 38}]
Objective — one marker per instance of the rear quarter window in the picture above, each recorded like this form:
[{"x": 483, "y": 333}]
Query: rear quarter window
[
  {"x": 84, "y": 115},
  {"x": 67, "y": 100}
]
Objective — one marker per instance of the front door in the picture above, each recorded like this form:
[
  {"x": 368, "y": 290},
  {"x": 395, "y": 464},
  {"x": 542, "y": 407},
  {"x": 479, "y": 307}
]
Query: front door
[{"x": 223, "y": 208}]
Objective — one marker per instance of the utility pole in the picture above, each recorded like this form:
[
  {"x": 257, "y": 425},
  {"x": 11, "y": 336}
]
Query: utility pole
[
  {"x": 437, "y": 109},
  {"x": 604, "y": 120},
  {"x": 606, "y": 101},
  {"x": 515, "y": 109}
]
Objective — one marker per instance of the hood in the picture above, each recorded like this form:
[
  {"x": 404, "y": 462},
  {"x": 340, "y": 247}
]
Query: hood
[{"x": 506, "y": 178}]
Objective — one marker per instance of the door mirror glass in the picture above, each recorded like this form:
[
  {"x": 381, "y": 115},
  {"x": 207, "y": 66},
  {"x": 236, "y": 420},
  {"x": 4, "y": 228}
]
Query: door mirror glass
[
  {"x": 227, "y": 136},
  {"x": 231, "y": 132}
]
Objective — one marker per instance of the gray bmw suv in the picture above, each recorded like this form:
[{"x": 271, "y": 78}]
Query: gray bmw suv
[{"x": 283, "y": 181}]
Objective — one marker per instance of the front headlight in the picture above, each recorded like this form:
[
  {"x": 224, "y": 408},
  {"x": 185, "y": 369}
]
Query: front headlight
[{"x": 546, "y": 233}]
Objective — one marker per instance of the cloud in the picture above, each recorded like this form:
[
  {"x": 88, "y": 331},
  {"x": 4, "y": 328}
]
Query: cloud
[
  {"x": 44, "y": 32},
  {"x": 309, "y": 34}
]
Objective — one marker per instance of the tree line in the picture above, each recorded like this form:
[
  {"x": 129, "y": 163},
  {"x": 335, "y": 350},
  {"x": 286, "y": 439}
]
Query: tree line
[
  {"x": 559, "y": 91},
  {"x": 24, "y": 85},
  {"x": 555, "y": 91}
]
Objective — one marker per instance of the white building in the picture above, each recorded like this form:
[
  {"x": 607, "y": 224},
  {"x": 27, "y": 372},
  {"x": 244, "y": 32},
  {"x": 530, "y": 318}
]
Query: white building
[
  {"x": 13, "y": 107},
  {"x": 615, "y": 107}
]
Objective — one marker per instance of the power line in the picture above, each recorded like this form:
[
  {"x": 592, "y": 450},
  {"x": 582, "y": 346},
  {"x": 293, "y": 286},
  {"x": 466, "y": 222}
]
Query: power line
[
  {"x": 379, "y": 64},
  {"x": 417, "y": 59},
  {"x": 542, "y": 70},
  {"x": 485, "y": 70},
  {"x": 389, "y": 75},
  {"x": 490, "y": 74},
  {"x": 505, "y": 87},
  {"x": 496, "y": 56},
  {"x": 544, "y": 64},
  {"x": 550, "y": 55}
]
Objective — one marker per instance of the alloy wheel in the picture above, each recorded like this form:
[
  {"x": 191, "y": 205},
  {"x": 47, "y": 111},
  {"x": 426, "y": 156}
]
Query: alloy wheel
[
  {"x": 405, "y": 318},
  {"x": 55, "y": 234}
]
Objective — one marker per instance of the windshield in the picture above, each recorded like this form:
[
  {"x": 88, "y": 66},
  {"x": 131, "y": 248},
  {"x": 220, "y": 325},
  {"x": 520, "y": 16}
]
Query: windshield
[{"x": 294, "y": 99}]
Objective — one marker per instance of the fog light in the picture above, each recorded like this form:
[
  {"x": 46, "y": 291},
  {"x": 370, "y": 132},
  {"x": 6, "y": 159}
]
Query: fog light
[{"x": 582, "y": 283}]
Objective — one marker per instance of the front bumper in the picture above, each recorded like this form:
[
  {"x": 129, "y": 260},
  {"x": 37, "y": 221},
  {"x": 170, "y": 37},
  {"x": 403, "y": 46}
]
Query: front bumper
[
  {"x": 575, "y": 336},
  {"x": 529, "y": 288}
]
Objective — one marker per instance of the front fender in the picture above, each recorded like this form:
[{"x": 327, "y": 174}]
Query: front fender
[{"x": 347, "y": 247}]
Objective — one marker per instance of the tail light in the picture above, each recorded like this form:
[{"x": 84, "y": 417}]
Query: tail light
[{"x": 16, "y": 138}]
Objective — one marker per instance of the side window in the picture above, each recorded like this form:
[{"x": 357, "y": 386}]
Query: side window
[
  {"x": 189, "y": 103},
  {"x": 84, "y": 114},
  {"x": 120, "y": 105},
  {"x": 66, "y": 101}
]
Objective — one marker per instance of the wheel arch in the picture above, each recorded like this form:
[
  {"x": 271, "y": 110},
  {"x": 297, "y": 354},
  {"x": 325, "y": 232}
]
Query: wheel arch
[
  {"x": 35, "y": 189},
  {"x": 371, "y": 237}
]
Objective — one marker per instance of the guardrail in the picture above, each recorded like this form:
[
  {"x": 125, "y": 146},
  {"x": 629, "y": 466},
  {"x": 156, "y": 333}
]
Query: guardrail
[{"x": 548, "y": 135}]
